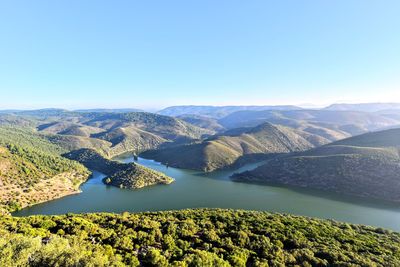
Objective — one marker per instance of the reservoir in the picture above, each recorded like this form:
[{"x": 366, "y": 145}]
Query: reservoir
[{"x": 193, "y": 189}]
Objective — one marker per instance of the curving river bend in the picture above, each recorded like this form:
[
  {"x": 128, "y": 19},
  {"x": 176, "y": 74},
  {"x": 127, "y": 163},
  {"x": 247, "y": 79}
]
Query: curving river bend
[{"x": 192, "y": 189}]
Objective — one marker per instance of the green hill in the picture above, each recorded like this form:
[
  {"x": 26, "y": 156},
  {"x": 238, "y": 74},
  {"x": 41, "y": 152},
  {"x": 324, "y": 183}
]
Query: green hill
[
  {"x": 122, "y": 175},
  {"x": 367, "y": 166},
  {"x": 236, "y": 147},
  {"x": 32, "y": 170},
  {"x": 192, "y": 238}
]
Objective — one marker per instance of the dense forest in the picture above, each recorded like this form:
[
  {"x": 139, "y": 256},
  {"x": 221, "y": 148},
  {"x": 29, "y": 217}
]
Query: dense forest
[{"x": 192, "y": 238}]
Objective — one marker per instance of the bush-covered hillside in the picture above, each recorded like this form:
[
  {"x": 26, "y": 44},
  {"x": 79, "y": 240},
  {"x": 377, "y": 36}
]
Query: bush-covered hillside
[
  {"x": 192, "y": 238},
  {"x": 32, "y": 170},
  {"x": 367, "y": 165}
]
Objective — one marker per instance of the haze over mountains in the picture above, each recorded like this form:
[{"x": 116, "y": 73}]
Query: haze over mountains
[
  {"x": 217, "y": 111},
  {"x": 367, "y": 107}
]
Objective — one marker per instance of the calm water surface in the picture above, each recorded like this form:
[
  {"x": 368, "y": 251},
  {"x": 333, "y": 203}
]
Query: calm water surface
[{"x": 192, "y": 189}]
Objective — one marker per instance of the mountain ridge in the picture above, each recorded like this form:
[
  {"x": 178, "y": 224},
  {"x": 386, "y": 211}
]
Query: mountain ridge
[{"x": 223, "y": 151}]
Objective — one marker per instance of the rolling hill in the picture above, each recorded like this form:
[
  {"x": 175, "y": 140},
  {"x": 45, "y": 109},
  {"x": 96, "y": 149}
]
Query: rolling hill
[
  {"x": 110, "y": 133},
  {"x": 367, "y": 166},
  {"x": 236, "y": 147}
]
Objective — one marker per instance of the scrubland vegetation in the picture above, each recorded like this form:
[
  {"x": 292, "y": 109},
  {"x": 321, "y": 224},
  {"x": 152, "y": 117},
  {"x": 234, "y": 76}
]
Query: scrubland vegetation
[
  {"x": 32, "y": 170},
  {"x": 367, "y": 165},
  {"x": 193, "y": 238}
]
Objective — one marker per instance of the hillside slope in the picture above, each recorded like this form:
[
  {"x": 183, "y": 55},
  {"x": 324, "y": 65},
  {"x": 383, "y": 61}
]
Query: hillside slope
[
  {"x": 367, "y": 166},
  {"x": 192, "y": 238},
  {"x": 241, "y": 146},
  {"x": 32, "y": 170}
]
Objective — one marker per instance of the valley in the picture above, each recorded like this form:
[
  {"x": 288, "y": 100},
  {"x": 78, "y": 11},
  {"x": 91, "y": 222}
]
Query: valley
[
  {"x": 296, "y": 143},
  {"x": 336, "y": 165}
]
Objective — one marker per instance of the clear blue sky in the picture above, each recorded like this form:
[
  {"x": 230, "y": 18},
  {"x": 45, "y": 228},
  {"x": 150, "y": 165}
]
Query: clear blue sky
[{"x": 151, "y": 54}]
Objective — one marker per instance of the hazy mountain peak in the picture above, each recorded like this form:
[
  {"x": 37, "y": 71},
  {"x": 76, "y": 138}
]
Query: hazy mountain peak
[{"x": 366, "y": 107}]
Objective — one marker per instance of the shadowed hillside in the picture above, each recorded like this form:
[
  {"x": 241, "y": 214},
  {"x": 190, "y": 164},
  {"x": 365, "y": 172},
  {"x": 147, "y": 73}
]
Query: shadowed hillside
[{"x": 367, "y": 165}]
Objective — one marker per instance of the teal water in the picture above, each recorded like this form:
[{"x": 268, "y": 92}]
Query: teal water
[{"x": 192, "y": 189}]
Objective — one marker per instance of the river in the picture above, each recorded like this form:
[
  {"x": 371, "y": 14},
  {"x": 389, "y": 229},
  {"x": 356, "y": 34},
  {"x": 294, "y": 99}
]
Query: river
[{"x": 193, "y": 189}]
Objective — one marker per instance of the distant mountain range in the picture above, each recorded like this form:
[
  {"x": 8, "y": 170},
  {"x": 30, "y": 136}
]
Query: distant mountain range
[
  {"x": 366, "y": 107},
  {"x": 218, "y": 111},
  {"x": 118, "y": 110}
]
